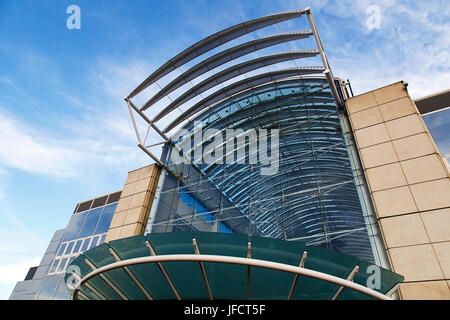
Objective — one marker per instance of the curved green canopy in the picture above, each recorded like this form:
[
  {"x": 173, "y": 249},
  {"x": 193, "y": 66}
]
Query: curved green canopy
[{"x": 204, "y": 280}]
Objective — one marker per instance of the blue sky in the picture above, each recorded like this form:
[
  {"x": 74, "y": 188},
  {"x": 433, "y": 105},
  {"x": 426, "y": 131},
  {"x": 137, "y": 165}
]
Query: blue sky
[{"x": 65, "y": 133}]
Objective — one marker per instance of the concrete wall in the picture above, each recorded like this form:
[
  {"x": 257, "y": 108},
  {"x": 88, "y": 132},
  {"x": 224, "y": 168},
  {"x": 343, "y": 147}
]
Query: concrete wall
[
  {"x": 131, "y": 215},
  {"x": 409, "y": 186}
]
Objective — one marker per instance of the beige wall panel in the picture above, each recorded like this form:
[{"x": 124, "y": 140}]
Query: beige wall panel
[
  {"x": 366, "y": 118},
  {"x": 397, "y": 235},
  {"x": 394, "y": 202},
  {"x": 416, "y": 263},
  {"x": 423, "y": 169},
  {"x": 432, "y": 194},
  {"x": 385, "y": 177},
  {"x": 118, "y": 219},
  {"x": 437, "y": 224},
  {"x": 414, "y": 146},
  {"x": 133, "y": 176},
  {"x": 361, "y": 102},
  {"x": 378, "y": 155},
  {"x": 406, "y": 126},
  {"x": 113, "y": 234},
  {"x": 397, "y": 109},
  {"x": 372, "y": 135},
  {"x": 128, "y": 189},
  {"x": 432, "y": 290},
  {"x": 442, "y": 250},
  {"x": 124, "y": 203},
  {"x": 391, "y": 92}
]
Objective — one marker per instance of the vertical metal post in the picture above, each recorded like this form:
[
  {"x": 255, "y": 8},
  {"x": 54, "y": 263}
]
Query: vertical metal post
[{"x": 328, "y": 73}]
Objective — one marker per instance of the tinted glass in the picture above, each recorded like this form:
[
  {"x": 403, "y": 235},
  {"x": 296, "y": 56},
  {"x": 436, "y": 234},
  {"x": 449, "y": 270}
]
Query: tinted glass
[
  {"x": 61, "y": 249},
  {"x": 62, "y": 265},
  {"x": 91, "y": 223},
  {"x": 85, "y": 245},
  {"x": 94, "y": 242},
  {"x": 69, "y": 247},
  {"x": 106, "y": 218},
  {"x": 54, "y": 265},
  {"x": 75, "y": 224},
  {"x": 77, "y": 246}
]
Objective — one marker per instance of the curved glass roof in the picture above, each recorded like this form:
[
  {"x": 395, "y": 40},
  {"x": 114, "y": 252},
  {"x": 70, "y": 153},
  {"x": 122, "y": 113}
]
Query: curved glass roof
[{"x": 311, "y": 198}]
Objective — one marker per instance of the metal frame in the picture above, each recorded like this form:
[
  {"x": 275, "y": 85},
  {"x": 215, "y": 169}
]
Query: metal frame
[
  {"x": 208, "y": 44},
  {"x": 250, "y": 262}
]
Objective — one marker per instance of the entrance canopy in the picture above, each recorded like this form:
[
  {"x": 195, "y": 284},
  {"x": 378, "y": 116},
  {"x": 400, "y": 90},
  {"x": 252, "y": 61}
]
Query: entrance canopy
[{"x": 204, "y": 265}]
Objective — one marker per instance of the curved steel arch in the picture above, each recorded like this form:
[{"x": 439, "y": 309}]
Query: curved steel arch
[
  {"x": 224, "y": 57},
  {"x": 238, "y": 87},
  {"x": 235, "y": 260},
  {"x": 214, "y": 41}
]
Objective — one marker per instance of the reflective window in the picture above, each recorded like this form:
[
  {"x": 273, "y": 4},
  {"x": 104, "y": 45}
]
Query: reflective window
[
  {"x": 94, "y": 242},
  {"x": 106, "y": 218},
  {"x": 90, "y": 223},
  {"x": 77, "y": 246},
  {"x": 75, "y": 224},
  {"x": 62, "y": 265},
  {"x": 69, "y": 248},
  {"x": 61, "y": 249},
  {"x": 102, "y": 239},
  {"x": 48, "y": 288},
  {"x": 85, "y": 245},
  {"x": 54, "y": 266}
]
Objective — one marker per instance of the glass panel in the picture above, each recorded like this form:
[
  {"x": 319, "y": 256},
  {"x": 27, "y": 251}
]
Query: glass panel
[
  {"x": 48, "y": 288},
  {"x": 54, "y": 266},
  {"x": 105, "y": 220},
  {"x": 85, "y": 244},
  {"x": 75, "y": 224},
  {"x": 69, "y": 247},
  {"x": 102, "y": 239},
  {"x": 62, "y": 265},
  {"x": 94, "y": 242},
  {"x": 62, "y": 293},
  {"x": 77, "y": 246},
  {"x": 91, "y": 223},
  {"x": 61, "y": 249}
]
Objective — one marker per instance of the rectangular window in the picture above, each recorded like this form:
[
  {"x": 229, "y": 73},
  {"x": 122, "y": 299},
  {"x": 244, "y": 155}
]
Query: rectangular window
[
  {"x": 61, "y": 249},
  {"x": 94, "y": 242},
  {"x": 91, "y": 222},
  {"x": 85, "y": 245},
  {"x": 105, "y": 219},
  {"x": 69, "y": 247},
  {"x": 75, "y": 224},
  {"x": 77, "y": 246},
  {"x": 54, "y": 266},
  {"x": 62, "y": 265},
  {"x": 102, "y": 239}
]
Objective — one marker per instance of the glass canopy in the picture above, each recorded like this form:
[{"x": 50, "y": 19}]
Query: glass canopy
[{"x": 215, "y": 280}]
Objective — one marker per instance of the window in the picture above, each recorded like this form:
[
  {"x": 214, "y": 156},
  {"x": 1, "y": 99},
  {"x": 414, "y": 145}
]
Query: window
[
  {"x": 75, "y": 224},
  {"x": 102, "y": 239},
  {"x": 94, "y": 242},
  {"x": 69, "y": 248},
  {"x": 54, "y": 266},
  {"x": 85, "y": 245},
  {"x": 91, "y": 222},
  {"x": 61, "y": 249},
  {"x": 77, "y": 246},
  {"x": 62, "y": 265},
  {"x": 105, "y": 220}
]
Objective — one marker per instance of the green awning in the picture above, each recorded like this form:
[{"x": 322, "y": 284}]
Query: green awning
[{"x": 135, "y": 279}]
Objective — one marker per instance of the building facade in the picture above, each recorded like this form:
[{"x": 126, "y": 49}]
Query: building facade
[{"x": 279, "y": 171}]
